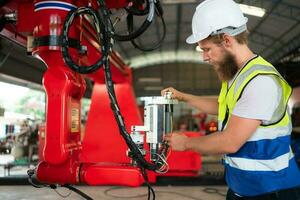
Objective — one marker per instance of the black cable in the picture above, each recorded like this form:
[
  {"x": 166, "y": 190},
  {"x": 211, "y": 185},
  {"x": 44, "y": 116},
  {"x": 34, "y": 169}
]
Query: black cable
[
  {"x": 137, "y": 155},
  {"x": 65, "y": 43},
  {"x": 102, "y": 20},
  {"x": 159, "y": 9},
  {"x": 30, "y": 173},
  {"x": 79, "y": 192},
  {"x": 157, "y": 45},
  {"x": 150, "y": 189},
  {"x": 134, "y": 34},
  {"x": 159, "y": 13}
]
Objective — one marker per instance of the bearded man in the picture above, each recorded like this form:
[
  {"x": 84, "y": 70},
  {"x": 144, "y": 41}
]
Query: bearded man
[{"x": 254, "y": 123}]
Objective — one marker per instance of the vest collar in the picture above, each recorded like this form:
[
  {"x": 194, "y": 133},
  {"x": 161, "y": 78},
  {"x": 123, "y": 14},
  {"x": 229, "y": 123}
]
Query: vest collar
[{"x": 240, "y": 70}]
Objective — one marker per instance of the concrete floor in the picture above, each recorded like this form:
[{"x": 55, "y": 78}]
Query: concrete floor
[{"x": 118, "y": 193}]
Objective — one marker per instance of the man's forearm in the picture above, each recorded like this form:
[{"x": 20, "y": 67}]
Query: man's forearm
[
  {"x": 215, "y": 143},
  {"x": 206, "y": 104}
]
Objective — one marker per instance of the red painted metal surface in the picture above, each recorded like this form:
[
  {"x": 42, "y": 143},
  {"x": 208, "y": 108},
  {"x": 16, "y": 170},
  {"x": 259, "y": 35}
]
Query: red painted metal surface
[
  {"x": 116, "y": 3},
  {"x": 66, "y": 173},
  {"x": 25, "y": 18},
  {"x": 104, "y": 174},
  {"x": 101, "y": 133},
  {"x": 64, "y": 90}
]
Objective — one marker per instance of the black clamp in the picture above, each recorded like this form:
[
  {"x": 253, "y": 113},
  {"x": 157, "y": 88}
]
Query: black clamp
[{"x": 55, "y": 40}]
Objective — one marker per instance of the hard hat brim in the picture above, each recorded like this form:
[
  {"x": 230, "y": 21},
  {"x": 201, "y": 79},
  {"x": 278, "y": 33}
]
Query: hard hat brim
[{"x": 192, "y": 39}]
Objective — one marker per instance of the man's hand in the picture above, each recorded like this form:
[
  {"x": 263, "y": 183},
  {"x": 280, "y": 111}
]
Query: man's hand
[
  {"x": 177, "y": 141},
  {"x": 180, "y": 96}
]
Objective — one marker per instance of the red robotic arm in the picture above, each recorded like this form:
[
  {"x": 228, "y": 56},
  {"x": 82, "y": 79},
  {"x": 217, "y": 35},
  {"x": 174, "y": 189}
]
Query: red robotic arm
[
  {"x": 100, "y": 157},
  {"x": 90, "y": 161}
]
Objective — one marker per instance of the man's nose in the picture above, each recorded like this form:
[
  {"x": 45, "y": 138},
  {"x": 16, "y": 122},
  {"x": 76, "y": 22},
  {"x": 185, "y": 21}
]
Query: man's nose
[{"x": 205, "y": 57}]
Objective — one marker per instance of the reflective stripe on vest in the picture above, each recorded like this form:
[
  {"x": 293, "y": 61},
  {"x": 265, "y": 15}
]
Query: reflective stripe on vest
[
  {"x": 276, "y": 164},
  {"x": 267, "y": 151}
]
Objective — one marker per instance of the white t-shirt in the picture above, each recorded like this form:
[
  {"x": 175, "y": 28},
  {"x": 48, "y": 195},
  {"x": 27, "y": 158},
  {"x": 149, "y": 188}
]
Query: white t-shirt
[{"x": 259, "y": 99}]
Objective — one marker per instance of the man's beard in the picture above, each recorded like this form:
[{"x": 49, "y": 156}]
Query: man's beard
[{"x": 227, "y": 68}]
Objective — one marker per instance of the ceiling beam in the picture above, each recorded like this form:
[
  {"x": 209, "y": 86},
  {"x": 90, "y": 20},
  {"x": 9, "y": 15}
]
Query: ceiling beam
[
  {"x": 262, "y": 38},
  {"x": 286, "y": 48},
  {"x": 292, "y": 14},
  {"x": 255, "y": 42},
  {"x": 280, "y": 10},
  {"x": 279, "y": 40},
  {"x": 288, "y": 5},
  {"x": 274, "y": 6}
]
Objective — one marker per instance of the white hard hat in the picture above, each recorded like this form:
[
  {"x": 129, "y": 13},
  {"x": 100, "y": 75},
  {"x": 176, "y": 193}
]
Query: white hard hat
[{"x": 213, "y": 17}]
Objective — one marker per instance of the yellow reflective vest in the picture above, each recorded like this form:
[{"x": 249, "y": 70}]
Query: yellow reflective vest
[{"x": 265, "y": 163}]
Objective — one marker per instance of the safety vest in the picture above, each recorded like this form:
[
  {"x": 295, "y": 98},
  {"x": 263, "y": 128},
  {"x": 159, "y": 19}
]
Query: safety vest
[{"x": 265, "y": 163}]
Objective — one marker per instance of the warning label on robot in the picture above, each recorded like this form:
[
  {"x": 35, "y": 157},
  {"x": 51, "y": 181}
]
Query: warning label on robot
[{"x": 75, "y": 119}]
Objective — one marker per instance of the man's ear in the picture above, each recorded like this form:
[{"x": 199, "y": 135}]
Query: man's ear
[{"x": 227, "y": 41}]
